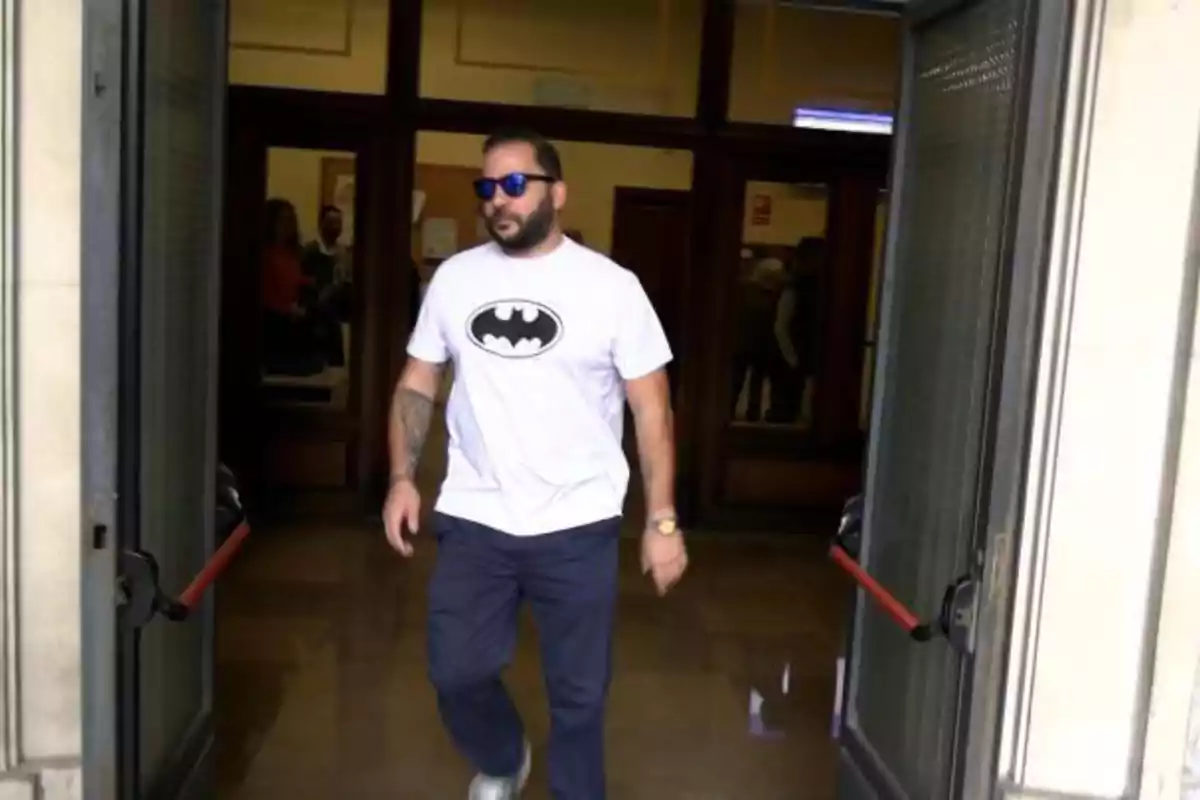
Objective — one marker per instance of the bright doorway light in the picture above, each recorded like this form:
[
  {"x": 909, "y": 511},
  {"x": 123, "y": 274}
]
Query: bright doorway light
[{"x": 849, "y": 121}]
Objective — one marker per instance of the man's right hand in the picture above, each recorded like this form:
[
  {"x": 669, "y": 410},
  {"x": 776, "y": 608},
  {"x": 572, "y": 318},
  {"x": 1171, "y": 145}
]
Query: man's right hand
[{"x": 401, "y": 510}]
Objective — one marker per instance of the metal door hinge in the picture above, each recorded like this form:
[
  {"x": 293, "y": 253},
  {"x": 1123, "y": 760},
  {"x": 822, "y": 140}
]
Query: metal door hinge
[{"x": 850, "y": 528}]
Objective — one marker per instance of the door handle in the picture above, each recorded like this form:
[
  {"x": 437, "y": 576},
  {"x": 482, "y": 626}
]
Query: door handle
[
  {"x": 955, "y": 620},
  {"x": 140, "y": 594}
]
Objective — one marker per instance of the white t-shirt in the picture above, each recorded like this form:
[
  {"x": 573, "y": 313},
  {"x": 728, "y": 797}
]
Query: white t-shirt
[{"x": 541, "y": 349}]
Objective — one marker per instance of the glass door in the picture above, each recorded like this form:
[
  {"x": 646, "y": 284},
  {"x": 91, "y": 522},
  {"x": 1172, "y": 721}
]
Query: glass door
[
  {"x": 920, "y": 706},
  {"x": 167, "y": 355}
]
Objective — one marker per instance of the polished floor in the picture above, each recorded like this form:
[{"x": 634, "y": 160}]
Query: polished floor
[{"x": 322, "y": 692}]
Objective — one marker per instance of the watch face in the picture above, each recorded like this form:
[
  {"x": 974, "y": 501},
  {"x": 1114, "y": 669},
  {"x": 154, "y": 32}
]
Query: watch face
[{"x": 666, "y": 526}]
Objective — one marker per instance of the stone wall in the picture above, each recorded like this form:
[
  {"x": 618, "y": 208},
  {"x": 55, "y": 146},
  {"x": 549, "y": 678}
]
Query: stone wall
[{"x": 40, "y": 696}]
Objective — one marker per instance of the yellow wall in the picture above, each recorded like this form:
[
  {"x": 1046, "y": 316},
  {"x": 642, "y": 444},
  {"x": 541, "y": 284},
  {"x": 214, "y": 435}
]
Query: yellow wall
[
  {"x": 638, "y": 56},
  {"x": 300, "y": 44},
  {"x": 592, "y": 172},
  {"x": 792, "y": 57},
  {"x": 625, "y": 55}
]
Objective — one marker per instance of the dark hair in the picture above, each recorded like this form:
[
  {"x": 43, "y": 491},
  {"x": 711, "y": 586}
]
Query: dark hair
[
  {"x": 544, "y": 151},
  {"x": 326, "y": 210},
  {"x": 276, "y": 207}
]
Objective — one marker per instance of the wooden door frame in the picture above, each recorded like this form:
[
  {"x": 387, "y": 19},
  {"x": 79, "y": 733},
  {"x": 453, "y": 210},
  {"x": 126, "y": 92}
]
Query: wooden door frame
[
  {"x": 682, "y": 199},
  {"x": 854, "y": 168},
  {"x": 685, "y": 403},
  {"x": 258, "y": 121}
]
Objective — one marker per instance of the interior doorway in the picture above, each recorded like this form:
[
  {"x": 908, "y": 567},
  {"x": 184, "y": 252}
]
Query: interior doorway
[
  {"x": 651, "y": 235},
  {"x": 303, "y": 356},
  {"x": 782, "y": 332},
  {"x": 651, "y": 231}
]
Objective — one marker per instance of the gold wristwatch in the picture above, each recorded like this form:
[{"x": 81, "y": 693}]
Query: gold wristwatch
[{"x": 665, "y": 524}]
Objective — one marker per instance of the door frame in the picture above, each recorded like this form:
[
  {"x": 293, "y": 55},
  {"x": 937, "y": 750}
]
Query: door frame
[
  {"x": 1030, "y": 183},
  {"x": 1010, "y": 418},
  {"x": 853, "y": 175},
  {"x": 111, "y": 249},
  {"x": 103, "y": 169},
  {"x": 680, "y": 200},
  {"x": 259, "y": 120},
  {"x": 682, "y": 366}
]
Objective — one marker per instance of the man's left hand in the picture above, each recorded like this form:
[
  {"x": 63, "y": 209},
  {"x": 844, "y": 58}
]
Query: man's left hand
[{"x": 664, "y": 558}]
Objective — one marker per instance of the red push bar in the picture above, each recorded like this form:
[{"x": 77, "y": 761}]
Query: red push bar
[
  {"x": 894, "y": 608},
  {"x": 215, "y": 567}
]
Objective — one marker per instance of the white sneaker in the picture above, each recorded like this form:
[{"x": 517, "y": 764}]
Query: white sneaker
[{"x": 485, "y": 787}]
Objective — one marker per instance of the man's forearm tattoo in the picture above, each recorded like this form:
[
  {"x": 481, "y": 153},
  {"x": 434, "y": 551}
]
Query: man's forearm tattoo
[{"x": 412, "y": 412}]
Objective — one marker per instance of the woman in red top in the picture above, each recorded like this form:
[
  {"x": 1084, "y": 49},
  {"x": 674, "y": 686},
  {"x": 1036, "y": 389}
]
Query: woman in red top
[
  {"x": 287, "y": 332},
  {"x": 282, "y": 277}
]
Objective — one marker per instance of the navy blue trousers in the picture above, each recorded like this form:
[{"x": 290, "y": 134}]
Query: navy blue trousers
[{"x": 569, "y": 579}]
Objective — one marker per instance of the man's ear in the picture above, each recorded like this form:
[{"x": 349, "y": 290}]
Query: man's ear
[{"x": 558, "y": 193}]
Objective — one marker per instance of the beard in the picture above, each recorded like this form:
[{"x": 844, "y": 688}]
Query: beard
[{"x": 531, "y": 230}]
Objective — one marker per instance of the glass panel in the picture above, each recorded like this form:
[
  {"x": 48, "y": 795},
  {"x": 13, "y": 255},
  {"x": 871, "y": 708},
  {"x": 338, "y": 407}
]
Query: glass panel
[
  {"x": 180, "y": 250},
  {"x": 321, "y": 45},
  {"x": 922, "y": 491},
  {"x": 308, "y": 276},
  {"x": 781, "y": 274},
  {"x": 872, "y": 324},
  {"x": 788, "y": 56},
  {"x": 635, "y": 56}
]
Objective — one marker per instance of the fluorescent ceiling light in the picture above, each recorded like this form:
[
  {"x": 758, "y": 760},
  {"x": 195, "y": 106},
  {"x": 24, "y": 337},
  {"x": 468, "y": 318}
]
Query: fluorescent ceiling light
[{"x": 850, "y": 121}]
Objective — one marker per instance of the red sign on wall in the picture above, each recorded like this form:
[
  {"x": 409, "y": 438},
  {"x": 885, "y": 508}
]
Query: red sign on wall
[{"x": 760, "y": 210}]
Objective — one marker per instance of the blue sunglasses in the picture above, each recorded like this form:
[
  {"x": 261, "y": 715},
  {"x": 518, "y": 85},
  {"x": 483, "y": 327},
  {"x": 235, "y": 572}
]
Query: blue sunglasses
[{"x": 514, "y": 184}]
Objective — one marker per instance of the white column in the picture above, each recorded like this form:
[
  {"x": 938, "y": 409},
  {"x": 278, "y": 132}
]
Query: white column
[
  {"x": 40, "y": 400},
  {"x": 1171, "y": 754},
  {"x": 1108, "y": 606}
]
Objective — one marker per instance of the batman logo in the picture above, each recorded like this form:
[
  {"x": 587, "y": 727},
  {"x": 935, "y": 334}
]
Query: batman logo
[{"x": 514, "y": 328}]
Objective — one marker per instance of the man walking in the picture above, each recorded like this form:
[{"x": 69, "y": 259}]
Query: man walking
[{"x": 548, "y": 340}]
